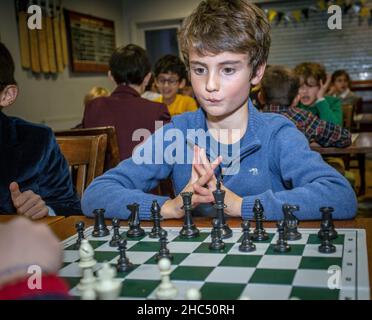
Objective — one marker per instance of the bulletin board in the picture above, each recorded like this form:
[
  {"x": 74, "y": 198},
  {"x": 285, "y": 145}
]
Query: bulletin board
[{"x": 91, "y": 42}]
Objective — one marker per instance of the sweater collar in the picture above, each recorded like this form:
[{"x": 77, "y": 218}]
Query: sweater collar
[
  {"x": 248, "y": 143},
  {"x": 124, "y": 90}
]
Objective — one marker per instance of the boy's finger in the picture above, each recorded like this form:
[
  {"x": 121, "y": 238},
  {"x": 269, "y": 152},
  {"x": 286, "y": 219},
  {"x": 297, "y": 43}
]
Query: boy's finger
[
  {"x": 14, "y": 190},
  {"x": 216, "y": 162},
  {"x": 201, "y": 190},
  {"x": 205, "y": 178},
  {"x": 200, "y": 169},
  {"x": 202, "y": 199}
]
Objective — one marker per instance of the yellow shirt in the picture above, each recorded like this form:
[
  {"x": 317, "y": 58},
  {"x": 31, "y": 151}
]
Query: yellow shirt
[{"x": 180, "y": 105}]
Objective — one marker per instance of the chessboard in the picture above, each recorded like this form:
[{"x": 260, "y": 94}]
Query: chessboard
[{"x": 228, "y": 274}]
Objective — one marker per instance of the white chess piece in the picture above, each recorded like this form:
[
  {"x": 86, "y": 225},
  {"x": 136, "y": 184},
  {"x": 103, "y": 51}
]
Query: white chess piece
[
  {"x": 193, "y": 294},
  {"x": 166, "y": 289},
  {"x": 107, "y": 287},
  {"x": 86, "y": 263}
]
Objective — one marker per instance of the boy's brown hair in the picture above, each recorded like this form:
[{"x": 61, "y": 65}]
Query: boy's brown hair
[
  {"x": 279, "y": 86},
  {"x": 307, "y": 70},
  {"x": 217, "y": 26}
]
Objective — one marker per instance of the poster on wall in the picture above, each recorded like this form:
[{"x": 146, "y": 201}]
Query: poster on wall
[{"x": 91, "y": 42}]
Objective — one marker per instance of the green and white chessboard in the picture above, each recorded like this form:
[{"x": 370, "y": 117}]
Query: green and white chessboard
[{"x": 302, "y": 273}]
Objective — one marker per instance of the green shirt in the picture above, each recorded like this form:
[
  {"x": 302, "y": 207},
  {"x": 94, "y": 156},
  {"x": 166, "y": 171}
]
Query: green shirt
[{"x": 329, "y": 109}]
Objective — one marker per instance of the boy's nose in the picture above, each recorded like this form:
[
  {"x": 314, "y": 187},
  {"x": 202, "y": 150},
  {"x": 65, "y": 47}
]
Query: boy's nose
[{"x": 213, "y": 83}]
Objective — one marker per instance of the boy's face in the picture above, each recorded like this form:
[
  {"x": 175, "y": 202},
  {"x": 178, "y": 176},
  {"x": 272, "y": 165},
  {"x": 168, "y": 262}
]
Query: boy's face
[
  {"x": 168, "y": 85},
  {"x": 308, "y": 91},
  {"x": 222, "y": 82},
  {"x": 341, "y": 84}
]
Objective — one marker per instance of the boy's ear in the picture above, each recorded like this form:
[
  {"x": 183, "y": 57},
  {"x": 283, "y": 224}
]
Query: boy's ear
[
  {"x": 146, "y": 80},
  {"x": 182, "y": 84},
  {"x": 8, "y": 95},
  {"x": 259, "y": 74},
  {"x": 109, "y": 74}
]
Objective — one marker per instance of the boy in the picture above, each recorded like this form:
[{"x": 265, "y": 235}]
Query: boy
[
  {"x": 314, "y": 84},
  {"x": 262, "y": 156},
  {"x": 125, "y": 109},
  {"x": 170, "y": 77},
  {"x": 340, "y": 88},
  {"x": 279, "y": 94},
  {"x": 34, "y": 176}
]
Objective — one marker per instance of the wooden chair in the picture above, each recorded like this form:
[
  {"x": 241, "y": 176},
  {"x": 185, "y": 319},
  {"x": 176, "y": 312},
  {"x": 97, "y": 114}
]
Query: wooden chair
[
  {"x": 112, "y": 157},
  {"x": 85, "y": 156},
  {"x": 348, "y": 111}
]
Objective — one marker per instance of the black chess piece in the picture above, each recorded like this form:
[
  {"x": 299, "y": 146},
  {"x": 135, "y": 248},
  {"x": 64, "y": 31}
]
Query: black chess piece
[
  {"x": 164, "y": 251},
  {"x": 259, "y": 233},
  {"x": 123, "y": 264},
  {"x": 281, "y": 244},
  {"x": 327, "y": 224},
  {"x": 216, "y": 235},
  {"x": 100, "y": 229},
  {"x": 219, "y": 198},
  {"x": 326, "y": 246},
  {"x": 291, "y": 222},
  {"x": 156, "y": 218},
  {"x": 80, "y": 231},
  {"x": 114, "y": 242},
  {"x": 135, "y": 229},
  {"x": 247, "y": 244},
  {"x": 189, "y": 230}
]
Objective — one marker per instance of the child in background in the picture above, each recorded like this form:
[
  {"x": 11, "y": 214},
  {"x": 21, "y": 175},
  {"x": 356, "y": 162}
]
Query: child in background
[
  {"x": 94, "y": 93},
  {"x": 279, "y": 94},
  {"x": 340, "y": 88},
  {"x": 313, "y": 87},
  {"x": 170, "y": 78}
]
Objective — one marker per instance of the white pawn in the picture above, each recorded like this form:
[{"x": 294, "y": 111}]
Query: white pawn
[
  {"x": 107, "y": 287},
  {"x": 86, "y": 263},
  {"x": 166, "y": 289},
  {"x": 193, "y": 294}
]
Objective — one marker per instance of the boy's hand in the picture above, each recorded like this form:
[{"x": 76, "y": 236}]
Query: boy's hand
[
  {"x": 24, "y": 243},
  {"x": 28, "y": 203},
  {"x": 172, "y": 208},
  {"x": 324, "y": 87}
]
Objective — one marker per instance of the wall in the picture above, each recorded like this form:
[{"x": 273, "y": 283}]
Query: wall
[{"x": 56, "y": 102}]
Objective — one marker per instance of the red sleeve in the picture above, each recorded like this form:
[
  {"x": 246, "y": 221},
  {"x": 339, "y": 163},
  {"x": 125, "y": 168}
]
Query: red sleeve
[{"x": 52, "y": 287}]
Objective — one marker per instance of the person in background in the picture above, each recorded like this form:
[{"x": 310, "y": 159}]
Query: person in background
[
  {"x": 340, "y": 88},
  {"x": 151, "y": 91},
  {"x": 125, "y": 109},
  {"x": 34, "y": 176},
  {"x": 279, "y": 94},
  {"x": 170, "y": 77},
  {"x": 314, "y": 84},
  {"x": 24, "y": 244}
]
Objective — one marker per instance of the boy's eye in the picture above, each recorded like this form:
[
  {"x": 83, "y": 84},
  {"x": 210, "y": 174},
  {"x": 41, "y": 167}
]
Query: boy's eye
[
  {"x": 199, "y": 71},
  {"x": 228, "y": 71}
]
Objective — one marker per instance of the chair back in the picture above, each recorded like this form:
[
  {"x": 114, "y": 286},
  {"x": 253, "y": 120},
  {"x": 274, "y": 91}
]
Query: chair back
[
  {"x": 348, "y": 111},
  {"x": 112, "y": 157},
  {"x": 85, "y": 156}
]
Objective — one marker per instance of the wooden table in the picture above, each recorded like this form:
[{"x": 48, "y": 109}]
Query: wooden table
[
  {"x": 66, "y": 228},
  {"x": 360, "y": 147},
  {"x": 46, "y": 220}
]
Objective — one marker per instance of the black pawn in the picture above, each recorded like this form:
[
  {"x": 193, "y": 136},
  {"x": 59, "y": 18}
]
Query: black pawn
[
  {"x": 123, "y": 264},
  {"x": 219, "y": 198},
  {"x": 281, "y": 244},
  {"x": 327, "y": 224},
  {"x": 291, "y": 222},
  {"x": 80, "y": 231},
  {"x": 135, "y": 229},
  {"x": 247, "y": 245},
  {"x": 326, "y": 246},
  {"x": 100, "y": 228},
  {"x": 216, "y": 235},
  {"x": 114, "y": 242},
  {"x": 164, "y": 251},
  {"x": 259, "y": 233},
  {"x": 156, "y": 217},
  {"x": 189, "y": 230}
]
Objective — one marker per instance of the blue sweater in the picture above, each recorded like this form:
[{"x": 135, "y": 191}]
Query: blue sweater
[{"x": 277, "y": 166}]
